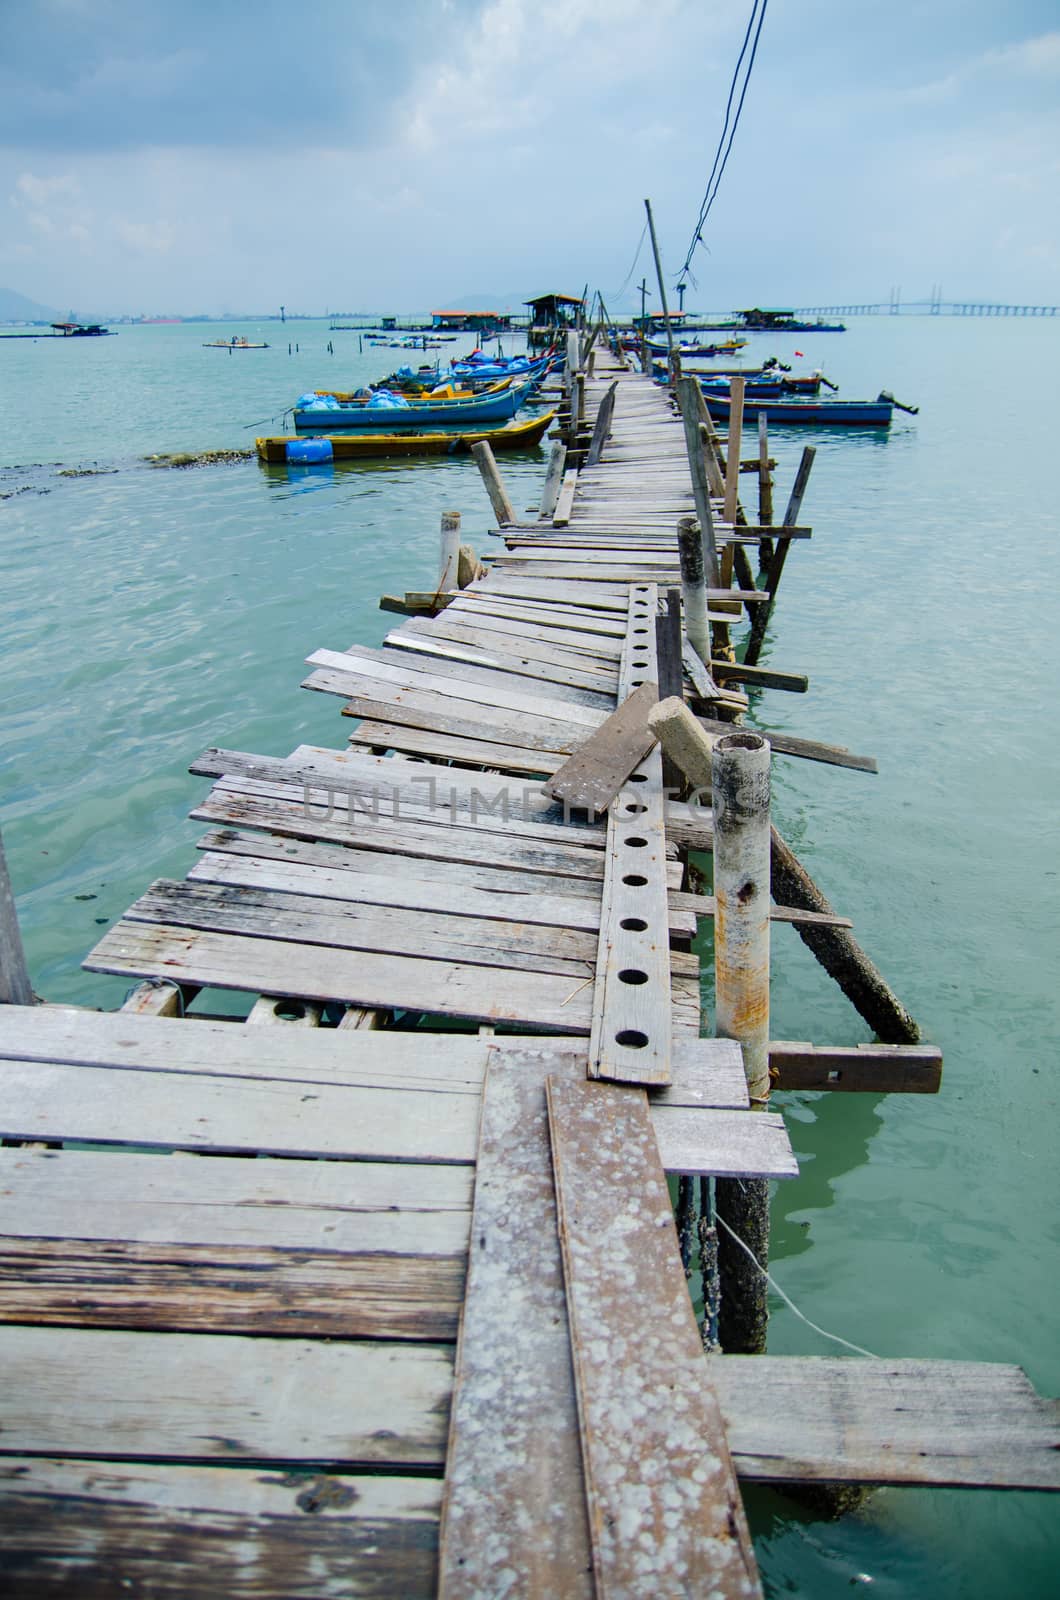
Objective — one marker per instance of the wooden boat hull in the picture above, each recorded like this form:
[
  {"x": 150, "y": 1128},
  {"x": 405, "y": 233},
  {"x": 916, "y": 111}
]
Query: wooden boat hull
[
  {"x": 485, "y": 408},
  {"x": 382, "y": 446},
  {"x": 812, "y": 413}
]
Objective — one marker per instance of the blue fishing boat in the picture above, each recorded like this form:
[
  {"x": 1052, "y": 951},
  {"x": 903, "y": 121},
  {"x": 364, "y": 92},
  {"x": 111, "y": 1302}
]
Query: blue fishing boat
[
  {"x": 815, "y": 413},
  {"x": 386, "y": 411}
]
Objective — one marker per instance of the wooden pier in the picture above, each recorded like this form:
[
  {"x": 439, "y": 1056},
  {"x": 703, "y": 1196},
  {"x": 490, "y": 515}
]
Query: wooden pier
[{"x": 380, "y": 1292}]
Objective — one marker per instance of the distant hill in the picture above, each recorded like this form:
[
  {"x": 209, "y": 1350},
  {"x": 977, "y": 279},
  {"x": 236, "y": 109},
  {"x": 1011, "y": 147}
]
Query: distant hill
[
  {"x": 15, "y": 307},
  {"x": 483, "y": 302}
]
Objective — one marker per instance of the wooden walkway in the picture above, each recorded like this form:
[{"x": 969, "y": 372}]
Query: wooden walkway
[{"x": 237, "y": 1258}]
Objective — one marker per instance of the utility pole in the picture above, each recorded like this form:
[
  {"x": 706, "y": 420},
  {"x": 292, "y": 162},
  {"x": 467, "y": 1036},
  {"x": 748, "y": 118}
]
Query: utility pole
[
  {"x": 643, "y": 297},
  {"x": 681, "y": 287}
]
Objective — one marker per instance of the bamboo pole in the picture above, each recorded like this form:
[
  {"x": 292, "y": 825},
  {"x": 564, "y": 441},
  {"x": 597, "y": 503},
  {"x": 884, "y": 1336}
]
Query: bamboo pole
[
  {"x": 15, "y": 987},
  {"x": 503, "y": 509}
]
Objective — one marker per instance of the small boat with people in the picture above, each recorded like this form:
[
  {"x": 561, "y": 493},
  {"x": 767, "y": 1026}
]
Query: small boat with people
[
  {"x": 400, "y": 443},
  {"x": 233, "y": 343}
]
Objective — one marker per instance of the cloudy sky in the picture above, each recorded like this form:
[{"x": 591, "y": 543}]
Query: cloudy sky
[{"x": 400, "y": 154}]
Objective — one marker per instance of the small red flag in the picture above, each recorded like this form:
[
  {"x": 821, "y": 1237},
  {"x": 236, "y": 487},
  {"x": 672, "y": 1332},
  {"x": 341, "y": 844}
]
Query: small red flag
[{"x": 798, "y": 352}]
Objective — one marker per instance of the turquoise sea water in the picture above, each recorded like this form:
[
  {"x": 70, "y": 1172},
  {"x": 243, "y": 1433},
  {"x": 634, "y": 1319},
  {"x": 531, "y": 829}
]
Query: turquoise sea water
[{"x": 146, "y": 614}]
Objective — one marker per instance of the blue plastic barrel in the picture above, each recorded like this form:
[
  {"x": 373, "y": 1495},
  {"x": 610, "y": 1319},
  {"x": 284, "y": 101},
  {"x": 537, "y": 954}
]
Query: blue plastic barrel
[{"x": 308, "y": 450}]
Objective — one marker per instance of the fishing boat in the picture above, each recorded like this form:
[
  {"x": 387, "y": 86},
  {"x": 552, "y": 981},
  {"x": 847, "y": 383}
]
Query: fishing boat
[
  {"x": 233, "y": 344},
  {"x": 770, "y": 385},
  {"x": 312, "y": 413},
  {"x": 816, "y": 413},
  {"x": 516, "y": 366},
  {"x": 381, "y": 446},
  {"x": 689, "y": 351}
]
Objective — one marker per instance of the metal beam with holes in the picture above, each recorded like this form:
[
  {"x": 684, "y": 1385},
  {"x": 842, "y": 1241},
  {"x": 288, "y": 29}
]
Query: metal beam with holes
[{"x": 630, "y": 1037}]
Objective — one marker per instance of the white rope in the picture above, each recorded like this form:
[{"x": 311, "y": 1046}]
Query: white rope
[{"x": 788, "y": 1301}]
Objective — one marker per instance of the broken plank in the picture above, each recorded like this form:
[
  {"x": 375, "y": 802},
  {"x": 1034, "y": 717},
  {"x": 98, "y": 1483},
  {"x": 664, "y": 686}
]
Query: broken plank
[
  {"x": 514, "y": 1513},
  {"x": 864, "y": 1068},
  {"x": 704, "y": 905},
  {"x": 664, "y": 1507},
  {"x": 784, "y": 744},
  {"x": 591, "y": 778}
]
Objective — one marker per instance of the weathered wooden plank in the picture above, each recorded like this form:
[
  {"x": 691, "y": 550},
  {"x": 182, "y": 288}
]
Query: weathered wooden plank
[
  {"x": 226, "y": 1202},
  {"x": 514, "y": 1514},
  {"x": 479, "y": 689},
  {"x": 665, "y": 1512},
  {"x": 200, "y": 1110},
  {"x": 592, "y": 777},
  {"x": 593, "y": 687},
  {"x": 223, "y": 1397},
  {"x": 215, "y": 1113},
  {"x": 704, "y": 905},
  {"x": 810, "y": 749},
  {"x": 499, "y": 941},
  {"x": 99, "y": 1529},
  {"x": 864, "y": 1068},
  {"x": 860, "y": 1421},
  {"x": 383, "y": 735},
  {"x": 132, "y": 1283},
  {"x": 707, "y": 1072},
  {"x": 363, "y": 978},
  {"x": 375, "y": 889},
  {"x": 631, "y": 1023},
  {"x": 427, "y": 708},
  {"x": 243, "y": 804}
]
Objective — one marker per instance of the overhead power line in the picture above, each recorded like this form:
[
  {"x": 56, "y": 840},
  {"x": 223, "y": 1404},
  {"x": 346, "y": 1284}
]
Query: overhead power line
[{"x": 721, "y": 154}]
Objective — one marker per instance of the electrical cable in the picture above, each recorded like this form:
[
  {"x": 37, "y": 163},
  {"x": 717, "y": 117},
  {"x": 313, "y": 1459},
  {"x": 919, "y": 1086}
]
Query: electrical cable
[
  {"x": 717, "y": 171},
  {"x": 788, "y": 1301}
]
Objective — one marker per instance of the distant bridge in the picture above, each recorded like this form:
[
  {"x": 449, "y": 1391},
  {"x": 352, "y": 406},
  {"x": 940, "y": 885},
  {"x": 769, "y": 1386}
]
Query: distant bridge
[{"x": 929, "y": 308}]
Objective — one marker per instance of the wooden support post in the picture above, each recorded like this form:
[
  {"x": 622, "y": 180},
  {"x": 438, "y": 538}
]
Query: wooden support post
[
  {"x": 572, "y": 360},
  {"x": 503, "y": 509},
  {"x": 839, "y": 952},
  {"x": 765, "y": 490},
  {"x": 450, "y": 551},
  {"x": 763, "y": 612},
  {"x": 732, "y": 448},
  {"x": 741, "y": 888},
  {"x": 681, "y": 737},
  {"x": 686, "y": 397},
  {"x": 694, "y": 587},
  {"x": 557, "y": 463},
  {"x": 15, "y": 987},
  {"x": 602, "y": 427},
  {"x": 741, "y": 978}
]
